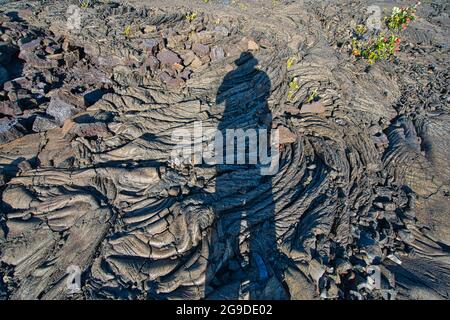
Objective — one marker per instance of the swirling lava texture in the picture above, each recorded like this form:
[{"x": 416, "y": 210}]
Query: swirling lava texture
[{"x": 362, "y": 182}]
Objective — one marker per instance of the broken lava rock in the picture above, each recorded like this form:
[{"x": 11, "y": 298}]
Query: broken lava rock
[
  {"x": 200, "y": 49},
  {"x": 41, "y": 124},
  {"x": 96, "y": 129},
  {"x": 9, "y": 108},
  {"x": 217, "y": 53},
  {"x": 315, "y": 107},
  {"x": 61, "y": 108},
  {"x": 171, "y": 81},
  {"x": 168, "y": 57},
  {"x": 151, "y": 45},
  {"x": 286, "y": 136}
]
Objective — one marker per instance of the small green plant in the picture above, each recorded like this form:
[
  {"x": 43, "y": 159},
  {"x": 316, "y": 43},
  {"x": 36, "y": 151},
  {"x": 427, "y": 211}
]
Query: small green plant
[
  {"x": 86, "y": 3},
  {"x": 360, "y": 29},
  {"x": 190, "y": 16},
  {"x": 294, "y": 84},
  {"x": 401, "y": 17},
  {"x": 290, "y": 62},
  {"x": 127, "y": 31},
  {"x": 293, "y": 87},
  {"x": 311, "y": 97}
]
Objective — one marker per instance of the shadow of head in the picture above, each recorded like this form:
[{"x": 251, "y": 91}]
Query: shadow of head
[{"x": 246, "y": 58}]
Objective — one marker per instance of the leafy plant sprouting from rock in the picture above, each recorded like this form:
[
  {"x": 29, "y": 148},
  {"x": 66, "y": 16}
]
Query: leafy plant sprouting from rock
[
  {"x": 380, "y": 48},
  {"x": 86, "y": 3},
  {"x": 127, "y": 31},
  {"x": 290, "y": 62},
  {"x": 190, "y": 16},
  {"x": 382, "y": 45},
  {"x": 311, "y": 97},
  {"x": 293, "y": 87}
]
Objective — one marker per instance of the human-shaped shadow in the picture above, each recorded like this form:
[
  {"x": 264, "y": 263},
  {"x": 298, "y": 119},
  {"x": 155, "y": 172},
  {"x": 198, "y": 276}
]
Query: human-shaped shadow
[{"x": 244, "y": 206}]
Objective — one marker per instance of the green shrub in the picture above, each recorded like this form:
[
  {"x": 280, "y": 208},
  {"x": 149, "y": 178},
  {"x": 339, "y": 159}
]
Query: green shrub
[
  {"x": 401, "y": 17},
  {"x": 375, "y": 46},
  {"x": 381, "y": 48}
]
